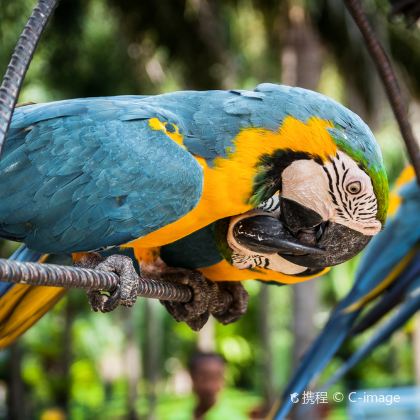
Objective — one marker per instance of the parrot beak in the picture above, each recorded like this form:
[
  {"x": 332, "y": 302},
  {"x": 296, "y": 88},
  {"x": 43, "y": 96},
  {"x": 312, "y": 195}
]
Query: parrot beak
[
  {"x": 266, "y": 235},
  {"x": 339, "y": 242},
  {"x": 300, "y": 236}
]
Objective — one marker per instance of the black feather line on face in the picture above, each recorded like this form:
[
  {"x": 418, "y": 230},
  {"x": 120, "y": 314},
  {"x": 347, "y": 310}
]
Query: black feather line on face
[
  {"x": 270, "y": 167},
  {"x": 339, "y": 182},
  {"x": 348, "y": 207}
]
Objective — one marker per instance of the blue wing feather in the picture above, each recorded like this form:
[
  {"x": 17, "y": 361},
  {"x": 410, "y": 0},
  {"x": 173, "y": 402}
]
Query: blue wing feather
[
  {"x": 99, "y": 192},
  {"x": 406, "y": 310},
  {"x": 395, "y": 294}
]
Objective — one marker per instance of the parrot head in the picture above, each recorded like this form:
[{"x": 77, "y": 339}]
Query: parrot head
[{"x": 316, "y": 205}]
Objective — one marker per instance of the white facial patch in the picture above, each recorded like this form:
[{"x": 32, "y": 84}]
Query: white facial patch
[
  {"x": 339, "y": 191},
  {"x": 244, "y": 258},
  {"x": 305, "y": 182}
]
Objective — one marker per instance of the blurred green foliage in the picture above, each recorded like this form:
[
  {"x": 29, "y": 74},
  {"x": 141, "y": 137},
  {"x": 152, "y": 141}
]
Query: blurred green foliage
[{"x": 81, "y": 361}]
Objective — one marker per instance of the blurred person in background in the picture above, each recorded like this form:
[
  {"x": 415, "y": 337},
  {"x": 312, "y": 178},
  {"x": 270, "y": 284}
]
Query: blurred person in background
[{"x": 207, "y": 372}]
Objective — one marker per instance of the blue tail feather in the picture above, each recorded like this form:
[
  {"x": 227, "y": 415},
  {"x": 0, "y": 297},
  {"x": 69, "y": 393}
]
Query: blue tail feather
[{"x": 407, "y": 309}]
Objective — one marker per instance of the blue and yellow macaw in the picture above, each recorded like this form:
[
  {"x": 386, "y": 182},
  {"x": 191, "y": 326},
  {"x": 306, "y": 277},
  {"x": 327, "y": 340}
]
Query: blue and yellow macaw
[
  {"x": 288, "y": 181},
  {"x": 389, "y": 273}
]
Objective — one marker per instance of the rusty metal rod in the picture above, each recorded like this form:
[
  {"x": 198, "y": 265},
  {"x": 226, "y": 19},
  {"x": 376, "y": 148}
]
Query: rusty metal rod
[
  {"x": 19, "y": 63},
  {"x": 75, "y": 277},
  {"x": 389, "y": 79}
]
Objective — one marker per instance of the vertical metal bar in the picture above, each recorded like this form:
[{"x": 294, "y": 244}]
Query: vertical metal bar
[
  {"x": 19, "y": 63},
  {"x": 389, "y": 79}
]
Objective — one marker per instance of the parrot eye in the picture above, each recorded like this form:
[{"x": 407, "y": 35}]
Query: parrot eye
[{"x": 354, "y": 187}]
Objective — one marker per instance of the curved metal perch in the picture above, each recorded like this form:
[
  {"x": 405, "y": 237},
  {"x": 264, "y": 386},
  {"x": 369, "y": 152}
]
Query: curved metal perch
[
  {"x": 19, "y": 63},
  {"x": 75, "y": 277}
]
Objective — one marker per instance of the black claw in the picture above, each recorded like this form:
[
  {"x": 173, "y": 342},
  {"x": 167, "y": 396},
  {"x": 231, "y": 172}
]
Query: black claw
[
  {"x": 97, "y": 300},
  {"x": 112, "y": 301}
]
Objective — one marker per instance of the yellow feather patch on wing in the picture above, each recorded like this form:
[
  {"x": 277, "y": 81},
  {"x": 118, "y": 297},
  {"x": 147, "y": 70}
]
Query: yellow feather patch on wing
[
  {"x": 22, "y": 306},
  {"x": 382, "y": 285},
  {"x": 223, "y": 271},
  {"x": 175, "y": 135},
  {"x": 228, "y": 183}
]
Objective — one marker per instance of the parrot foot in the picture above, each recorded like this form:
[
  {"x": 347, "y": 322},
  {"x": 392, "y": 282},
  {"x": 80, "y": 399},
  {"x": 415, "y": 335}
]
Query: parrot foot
[
  {"x": 126, "y": 292},
  {"x": 227, "y": 311},
  {"x": 195, "y": 312},
  {"x": 208, "y": 298}
]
